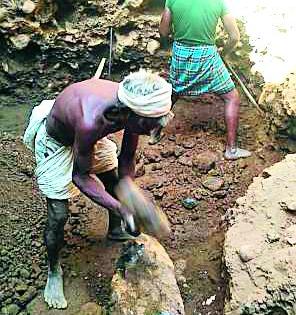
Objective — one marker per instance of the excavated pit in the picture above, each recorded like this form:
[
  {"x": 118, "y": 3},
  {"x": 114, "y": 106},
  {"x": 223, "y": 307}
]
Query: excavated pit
[{"x": 56, "y": 49}]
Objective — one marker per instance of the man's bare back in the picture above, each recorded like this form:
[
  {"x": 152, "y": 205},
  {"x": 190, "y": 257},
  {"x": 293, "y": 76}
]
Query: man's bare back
[{"x": 82, "y": 106}]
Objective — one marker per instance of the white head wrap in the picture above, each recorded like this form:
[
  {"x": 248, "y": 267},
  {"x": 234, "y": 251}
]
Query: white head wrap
[{"x": 146, "y": 94}]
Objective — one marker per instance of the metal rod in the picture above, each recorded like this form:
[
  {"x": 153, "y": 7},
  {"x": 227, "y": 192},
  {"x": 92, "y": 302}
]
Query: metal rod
[{"x": 110, "y": 52}]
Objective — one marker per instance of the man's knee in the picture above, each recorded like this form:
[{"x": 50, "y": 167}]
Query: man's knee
[
  {"x": 58, "y": 211},
  {"x": 231, "y": 97}
]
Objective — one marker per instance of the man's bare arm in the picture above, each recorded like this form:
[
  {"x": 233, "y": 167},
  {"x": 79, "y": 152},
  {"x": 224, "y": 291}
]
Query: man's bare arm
[
  {"x": 165, "y": 27},
  {"x": 232, "y": 30},
  {"x": 127, "y": 157},
  {"x": 165, "y": 23},
  {"x": 90, "y": 186}
]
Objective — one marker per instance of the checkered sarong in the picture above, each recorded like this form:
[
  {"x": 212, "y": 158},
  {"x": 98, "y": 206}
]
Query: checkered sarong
[{"x": 197, "y": 69}]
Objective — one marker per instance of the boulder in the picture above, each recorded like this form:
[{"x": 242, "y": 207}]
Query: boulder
[
  {"x": 28, "y": 6},
  {"x": 145, "y": 280}
]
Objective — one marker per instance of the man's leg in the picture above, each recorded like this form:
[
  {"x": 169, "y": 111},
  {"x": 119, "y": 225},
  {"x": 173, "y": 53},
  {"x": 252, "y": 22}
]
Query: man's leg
[
  {"x": 115, "y": 228},
  {"x": 232, "y": 105},
  {"x": 54, "y": 241}
]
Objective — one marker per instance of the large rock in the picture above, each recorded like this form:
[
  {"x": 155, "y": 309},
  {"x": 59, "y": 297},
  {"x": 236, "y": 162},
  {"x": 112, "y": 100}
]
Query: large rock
[
  {"x": 20, "y": 41},
  {"x": 205, "y": 161},
  {"x": 260, "y": 245},
  {"x": 145, "y": 281}
]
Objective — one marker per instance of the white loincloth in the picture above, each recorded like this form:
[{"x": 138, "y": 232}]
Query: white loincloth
[{"x": 55, "y": 161}]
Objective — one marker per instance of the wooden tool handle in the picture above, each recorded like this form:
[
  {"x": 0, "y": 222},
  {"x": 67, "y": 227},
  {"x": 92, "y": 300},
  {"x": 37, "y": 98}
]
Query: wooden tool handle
[{"x": 100, "y": 68}]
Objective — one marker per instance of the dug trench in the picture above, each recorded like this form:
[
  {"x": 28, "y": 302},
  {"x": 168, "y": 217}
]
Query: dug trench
[{"x": 195, "y": 200}]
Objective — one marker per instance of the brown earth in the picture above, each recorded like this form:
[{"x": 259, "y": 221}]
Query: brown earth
[{"x": 168, "y": 176}]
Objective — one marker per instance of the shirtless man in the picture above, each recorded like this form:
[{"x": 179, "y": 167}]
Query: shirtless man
[{"x": 68, "y": 137}]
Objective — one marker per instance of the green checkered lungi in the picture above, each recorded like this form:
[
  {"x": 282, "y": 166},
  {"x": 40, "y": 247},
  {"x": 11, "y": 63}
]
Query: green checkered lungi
[{"x": 197, "y": 69}]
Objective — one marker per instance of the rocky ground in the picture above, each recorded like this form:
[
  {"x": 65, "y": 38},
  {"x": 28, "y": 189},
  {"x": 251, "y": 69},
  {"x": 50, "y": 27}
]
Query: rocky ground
[{"x": 185, "y": 174}]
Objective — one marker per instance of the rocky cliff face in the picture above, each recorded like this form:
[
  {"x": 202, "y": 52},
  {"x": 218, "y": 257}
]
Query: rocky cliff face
[
  {"x": 279, "y": 102},
  {"x": 46, "y": 44}
]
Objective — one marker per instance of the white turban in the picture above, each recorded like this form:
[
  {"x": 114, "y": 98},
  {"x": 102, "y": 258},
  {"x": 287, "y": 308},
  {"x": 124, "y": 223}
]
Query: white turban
[{"x": 146, "y": 94}]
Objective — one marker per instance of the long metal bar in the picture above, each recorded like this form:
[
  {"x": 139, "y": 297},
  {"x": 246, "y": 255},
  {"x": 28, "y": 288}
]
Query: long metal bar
[{"x": 110, "y": 52}]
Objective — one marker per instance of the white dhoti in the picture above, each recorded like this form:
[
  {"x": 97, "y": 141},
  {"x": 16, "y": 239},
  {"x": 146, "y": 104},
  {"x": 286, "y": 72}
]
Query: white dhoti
[{"x": 55, "y": 161}]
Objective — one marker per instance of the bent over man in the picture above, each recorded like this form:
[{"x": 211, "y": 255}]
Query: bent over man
[
  {"x": 196, "y": 66},
  {"x": 68, "y": 137}
]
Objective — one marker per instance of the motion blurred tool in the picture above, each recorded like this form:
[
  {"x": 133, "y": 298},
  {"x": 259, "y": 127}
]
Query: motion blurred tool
[{"x": 148, "y": 217}]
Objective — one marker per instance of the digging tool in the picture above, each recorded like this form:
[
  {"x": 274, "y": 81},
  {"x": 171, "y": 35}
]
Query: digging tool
[
  {"x": 149, "y": 218},
  {"x": 244, "y": 88},
  {"x": 100, "y": 68}
]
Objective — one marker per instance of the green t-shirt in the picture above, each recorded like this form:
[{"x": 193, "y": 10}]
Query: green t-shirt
[{"x": 195, "y": 21}]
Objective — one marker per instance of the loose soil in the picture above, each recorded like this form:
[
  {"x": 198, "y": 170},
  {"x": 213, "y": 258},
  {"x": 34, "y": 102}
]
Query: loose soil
[{"x": 166, "y": 174}]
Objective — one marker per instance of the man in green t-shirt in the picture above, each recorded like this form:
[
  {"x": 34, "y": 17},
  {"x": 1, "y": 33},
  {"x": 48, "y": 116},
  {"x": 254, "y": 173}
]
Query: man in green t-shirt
[{"x": 196, "y": 66}]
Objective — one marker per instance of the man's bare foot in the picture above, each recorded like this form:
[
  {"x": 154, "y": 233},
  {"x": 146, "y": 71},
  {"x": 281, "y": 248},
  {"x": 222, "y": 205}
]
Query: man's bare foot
[
  {"x": 121, "y": 236},
  {"x": 54, "y": 291},
  {"x": 155, "y": 136},
  {"x": 236, "y": 153}
]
